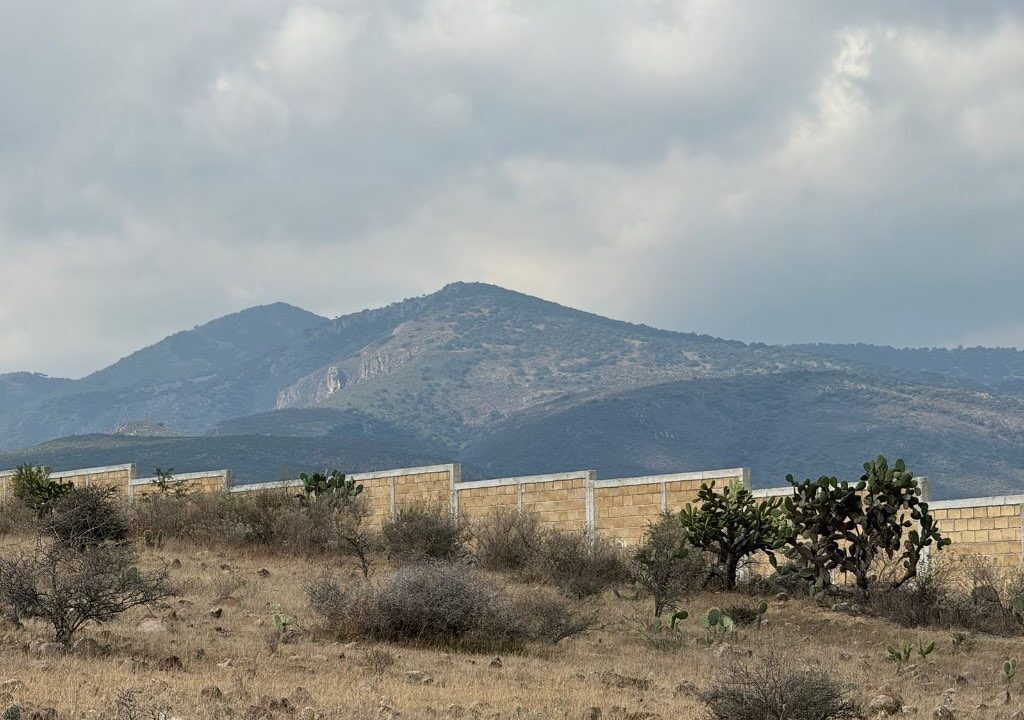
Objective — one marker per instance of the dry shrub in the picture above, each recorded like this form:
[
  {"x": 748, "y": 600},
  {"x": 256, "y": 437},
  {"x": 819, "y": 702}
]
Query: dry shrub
[
  {"x": 68, "y": 587},
  {"x": 270, "y": 519},
  {"x": 17, "y": 519},
  {"x": 579, "y": 564},
  {"x": 88, "y": 516},
  {"x": 424, "y": 532},
  {"x": 440, "y": 604},
  {"x": 507, "y": 540},
  {"x": 967, "y": 591},
  {"x": 768, "y": 687}
]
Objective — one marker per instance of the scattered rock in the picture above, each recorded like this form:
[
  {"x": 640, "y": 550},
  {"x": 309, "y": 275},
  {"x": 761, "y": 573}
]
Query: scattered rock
[
  {"x": 418, "y": 677},
  {"x": 782, "y": 597},
  {"x": 496, "y": 662},
  {"x": 885, "y": 705},
  {"x": 943, "y": 712},
  {"x": 594, "y": 713},
  {"x": 217, "y": 612},
  {"x": 263, "y": 572},
  {"x": 211, "y": 693},
  {"x": 176, "y": 563}
]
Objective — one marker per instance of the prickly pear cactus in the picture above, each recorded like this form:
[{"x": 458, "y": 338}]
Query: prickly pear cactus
[{"x": 334, "y": 488}]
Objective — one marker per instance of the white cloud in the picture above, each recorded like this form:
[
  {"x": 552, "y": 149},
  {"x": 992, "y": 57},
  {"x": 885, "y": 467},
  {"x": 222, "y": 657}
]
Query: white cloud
[{"x": 755, "y": 171}]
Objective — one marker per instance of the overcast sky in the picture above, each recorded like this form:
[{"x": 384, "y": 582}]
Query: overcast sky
[{"x": 779, "y": 172}]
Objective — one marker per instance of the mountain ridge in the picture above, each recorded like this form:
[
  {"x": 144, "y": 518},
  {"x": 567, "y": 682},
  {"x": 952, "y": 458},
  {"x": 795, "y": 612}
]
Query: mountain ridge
[{"x": 492, "y": 377}]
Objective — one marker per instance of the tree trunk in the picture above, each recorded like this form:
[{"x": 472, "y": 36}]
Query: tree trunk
[{"x": 731, "y": 563}]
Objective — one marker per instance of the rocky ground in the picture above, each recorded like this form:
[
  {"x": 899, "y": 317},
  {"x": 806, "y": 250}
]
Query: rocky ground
[{"x": 203, "y": 654}]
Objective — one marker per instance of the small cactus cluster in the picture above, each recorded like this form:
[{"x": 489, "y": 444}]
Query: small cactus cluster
[
  {"x": 1017, "y": 609},
  {"x": 334, "y": 488},
  {"x": 717, "y": 624},
  {"x": 153, "y": 539},
  {"x": 901, "y": 653}
]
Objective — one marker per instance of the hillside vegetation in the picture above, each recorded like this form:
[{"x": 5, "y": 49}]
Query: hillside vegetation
[{"x": 512, "y": 384}]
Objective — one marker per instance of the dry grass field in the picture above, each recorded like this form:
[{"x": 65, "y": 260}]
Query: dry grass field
[{"x": 202, "y": 654}]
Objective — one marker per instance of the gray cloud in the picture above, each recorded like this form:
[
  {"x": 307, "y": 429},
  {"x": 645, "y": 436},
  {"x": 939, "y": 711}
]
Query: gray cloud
[{"x": 764, "y": 172}]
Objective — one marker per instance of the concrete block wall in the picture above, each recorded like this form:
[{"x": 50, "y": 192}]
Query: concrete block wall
[
  {"x": 625, "y": 506},
  {"x": 115, "y": 476},
  {"x": 990, "y": 527},
  {"x": 207, "y": 481},
  {"x": 561, "y": 501},
  {"x": 388, "y": 490},
  {"x": 618, "y": 508}
]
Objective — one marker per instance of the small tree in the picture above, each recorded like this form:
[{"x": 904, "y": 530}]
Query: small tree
[
  {"x": 844, "y": 527},
  {"x": 353, "y": 536},
  {"x": 69, "y": 588},
  {"x": 664, "y": 566},
  {"x": 169, "y": 486},
  {"x": 732, "y": 525},
  {"x": 34, "y": 488}
]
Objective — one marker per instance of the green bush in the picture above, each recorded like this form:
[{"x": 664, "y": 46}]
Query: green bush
[
  {"x": 34, "y": 488},
  {"x": 665, "y": 567},
  {"x": 851, "y": 528}
]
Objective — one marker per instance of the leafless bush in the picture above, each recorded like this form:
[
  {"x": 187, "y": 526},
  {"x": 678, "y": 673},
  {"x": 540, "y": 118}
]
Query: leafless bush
[
  {"x": 440, "y": 604},
  {"x": 547, "y": 616},
  {"x": 69, "y": 587},
  {"x": 423, "y": 532},
  {"x": 377, "y": 660},
  {"x": 768, "y": 687},
  {"x": 88, "y": 516},
  {"x": 579, "y": 564},
  {"x": 353, "y": 537},
  {"x": 966, "y": 592},
  {"x": 507, "y": 540}
]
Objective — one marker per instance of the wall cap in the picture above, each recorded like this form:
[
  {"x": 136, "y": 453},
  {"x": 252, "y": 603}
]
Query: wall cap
[
  {"x": 182, "y": 477},
  {"x": 526, "y": 479},
  {"x": 740, "y": 473}
]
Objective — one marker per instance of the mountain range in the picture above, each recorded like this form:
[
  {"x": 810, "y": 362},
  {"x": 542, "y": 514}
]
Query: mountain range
[{"x": 511, "y": 384}]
